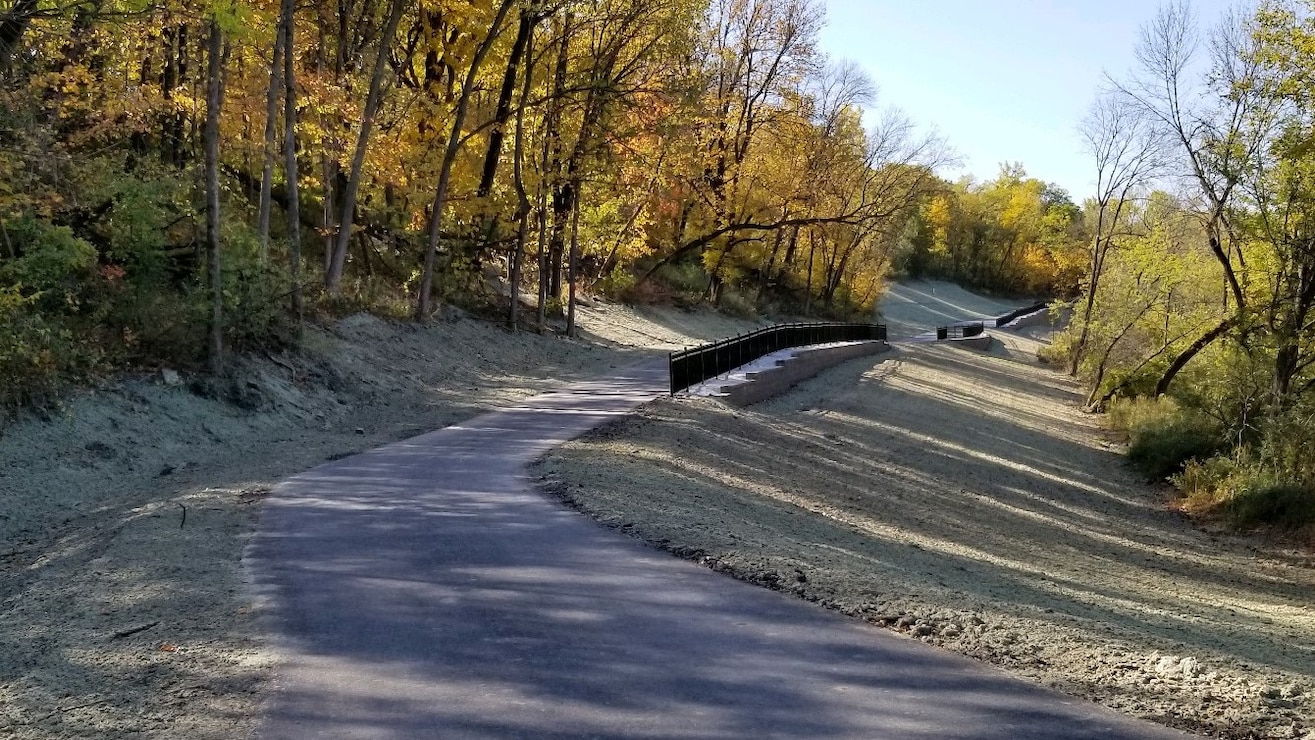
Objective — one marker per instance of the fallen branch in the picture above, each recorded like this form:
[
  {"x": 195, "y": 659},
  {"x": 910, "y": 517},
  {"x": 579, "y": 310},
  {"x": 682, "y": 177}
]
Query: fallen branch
[
  {"x": 291, "y": 370},
  {"x": 133, "y": 630},
  {"x": 61, "y": 710}
]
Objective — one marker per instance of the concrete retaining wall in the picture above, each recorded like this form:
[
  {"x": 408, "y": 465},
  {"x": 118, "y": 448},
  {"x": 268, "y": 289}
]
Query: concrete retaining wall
[
  {"x": 803, "y": 365},
  {"x": 1036, "y": 318},
  {"x": 979, "y": 342}
]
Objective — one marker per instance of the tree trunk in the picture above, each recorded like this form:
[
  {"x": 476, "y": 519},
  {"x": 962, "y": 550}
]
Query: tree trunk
[
  {"x": 424, "y": 300},
  {"x": 290, "y": 157},
  {"x": 213, "y": 102},
  {"x": 1230, "y": 275},
  {"x": 790, "y": 248},
  {"x": 541, "y": 257},
  {"x": 175, "y": 76},
  {"x": 168, "y": 79},
  {"x": 272, "y": 96},
  {"x": 553, "y": 131},
  {"x": 502, "y": 112},
  {"x": 1285, "y": 367},
  {"x": 1184, "y": 357},
  {"x": 518, "y": 173},
  {"x": 567, "y": 198},
  {"x": 841, "y": 265},
  {"x": 184, "y": 140},
  {"x": 333, "y": 279},
  {"x": 571, "y": 269},
  {"x": 1097, "y": 261},
  {"x": 561, "y": 210},
  {"x": 1288, "y": 359},
  {"x": 517, "y": 256},
  {"x": 713, "y": 290},
  {"x": 765, "y": 275},
  {"x": 808, "y": 285},
  {"x": 1104, "y": 364},
  {"x": 12, "y": 28},
  {"x": 329, "y": 169},
  {"x": 830, "y": 276},
  {"x": 542, "y": 253}
]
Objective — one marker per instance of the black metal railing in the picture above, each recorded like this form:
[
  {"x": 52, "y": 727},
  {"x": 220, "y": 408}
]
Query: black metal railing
[
  {"x": 966, "y": 329},
  {"x": 697, "y": 364},
  {"x": 1002, "y": 320},
  {"x": 961, "y": 330}
]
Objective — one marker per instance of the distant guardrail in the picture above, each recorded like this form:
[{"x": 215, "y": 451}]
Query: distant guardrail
[
  {"x": 1002, "y": 320},
  {"x": 688, "y": 367},
  {"x": 966, "y": 329},
  {"x": 961, "y": 330}
]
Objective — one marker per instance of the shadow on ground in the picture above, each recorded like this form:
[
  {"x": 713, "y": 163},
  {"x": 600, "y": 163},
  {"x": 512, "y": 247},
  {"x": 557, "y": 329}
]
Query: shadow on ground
[{"x": 962, "y": 498}]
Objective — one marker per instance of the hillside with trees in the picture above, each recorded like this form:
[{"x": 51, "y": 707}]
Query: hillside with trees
[
  {"x": 1195, "y": 323},
  {"x": 1013, "y": 235},
  {"x": 181, "y": 181}
]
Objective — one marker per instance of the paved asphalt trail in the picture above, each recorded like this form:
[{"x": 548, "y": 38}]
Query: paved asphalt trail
[{"x": 424, "y": 590}]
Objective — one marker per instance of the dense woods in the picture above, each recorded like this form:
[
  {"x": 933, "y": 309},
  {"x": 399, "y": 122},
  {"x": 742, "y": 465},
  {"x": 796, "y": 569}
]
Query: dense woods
[
  {"x": 1013, "y": 235},
  {"x": 183, "y": 179}
]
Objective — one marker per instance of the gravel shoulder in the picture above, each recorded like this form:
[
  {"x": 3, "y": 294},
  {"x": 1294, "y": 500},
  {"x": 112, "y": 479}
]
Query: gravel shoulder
[
  {"x": 961, "y": 498},
  {"x": 124, "y": 607}
]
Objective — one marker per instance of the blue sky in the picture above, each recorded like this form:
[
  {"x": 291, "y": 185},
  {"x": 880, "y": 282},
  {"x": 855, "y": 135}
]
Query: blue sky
[{"x": 1001, "y": 80}]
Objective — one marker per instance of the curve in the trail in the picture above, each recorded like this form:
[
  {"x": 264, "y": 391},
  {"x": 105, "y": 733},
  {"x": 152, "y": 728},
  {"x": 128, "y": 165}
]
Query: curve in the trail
[
  {"x": 425, "y": 590},
  {"x": 915, "y": 308}
]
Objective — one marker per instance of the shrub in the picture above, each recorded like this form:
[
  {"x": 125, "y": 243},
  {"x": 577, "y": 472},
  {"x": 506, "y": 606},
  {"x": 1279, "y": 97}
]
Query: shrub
[
  {"x": 1163, "y": 437},
  {"x": 1244, "y": 490},
  {"x": 1129, "y": 414},
  {"x": 1160, "y": 451},
  {"x": 1061, "y": 348},
  {"x": 1286, "y": 437},
  {"x": 372, "y": 294},
  {"x": 618, "y": 284},
  {"x": 688, "y": 278},
  {"x": 847, "y": 306},
  {"x": 647, "y": 293},
  {"x": 144, "y": 212},
  {"x": 554, "y": 307},
  {"x": 151, "y": 326},
  {"x": 53, "y": 261},
  {"x": 256, "y": 309},
  {"x": 38, "y": 355},
  {"x": 737, "y": 304},
  {"x": 1285, "y": 505}
]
